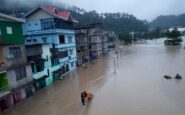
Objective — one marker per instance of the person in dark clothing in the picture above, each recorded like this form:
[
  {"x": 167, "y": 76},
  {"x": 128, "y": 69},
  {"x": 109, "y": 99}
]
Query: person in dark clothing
[{"x": 86, "y": 97}]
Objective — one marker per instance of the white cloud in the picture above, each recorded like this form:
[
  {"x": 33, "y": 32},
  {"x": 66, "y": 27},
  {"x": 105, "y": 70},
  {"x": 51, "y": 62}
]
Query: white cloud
[{"x": 143, "y": 9}]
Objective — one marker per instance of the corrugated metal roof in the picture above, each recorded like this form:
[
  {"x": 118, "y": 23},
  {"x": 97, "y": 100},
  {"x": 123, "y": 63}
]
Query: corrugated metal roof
[
  {"x": 14, "y": 19},
  {"x": 64, "y": 15}
]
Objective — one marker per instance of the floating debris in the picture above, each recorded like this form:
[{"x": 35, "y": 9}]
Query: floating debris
[
  {"x": 178, "y": 76},
  {"x": 167, "y": 77}
]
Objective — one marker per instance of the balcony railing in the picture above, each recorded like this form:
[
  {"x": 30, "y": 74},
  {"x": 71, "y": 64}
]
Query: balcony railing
[{"x": 59, "y": 54}]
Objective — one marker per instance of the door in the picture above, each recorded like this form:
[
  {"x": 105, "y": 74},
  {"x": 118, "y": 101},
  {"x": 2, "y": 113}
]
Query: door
[
  {"x": 28, "y": 91},
  {"x": 17, "y": 97}
]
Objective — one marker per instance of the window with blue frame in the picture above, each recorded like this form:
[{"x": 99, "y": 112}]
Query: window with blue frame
[
  {"x": 71, "y": 51},
  {"x": 47, "y": 24},
  {"x": 70, "y": 39}
]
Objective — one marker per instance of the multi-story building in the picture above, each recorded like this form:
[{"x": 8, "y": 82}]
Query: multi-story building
[
  {"x": 82, "y": 45},
  {"x": 105, "y": 42},
  {"x": 95, "y": 39},
  {"x": 90, "y": 38},
  {"x": 47, "y": 25},
  {"x": 43, "y": 68},
  {"x": 112, "y": 37},
  {"x": 15, "y": 73}
]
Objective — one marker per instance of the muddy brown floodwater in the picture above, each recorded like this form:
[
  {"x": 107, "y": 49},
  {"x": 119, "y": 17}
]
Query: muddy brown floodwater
[{"x": 137, "y": 88}]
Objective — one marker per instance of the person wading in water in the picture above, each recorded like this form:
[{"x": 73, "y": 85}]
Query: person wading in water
[{"x": 86, "y": 97}]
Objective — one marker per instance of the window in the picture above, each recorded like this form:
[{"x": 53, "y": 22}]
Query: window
[
  {"x": 71, "y": 51},
  {"x": 9, "y": 30},
  {"x": 34, "y": 40},
  {"x": 70, "y": 40},
  {"x": 63, "y": 54},
  {"x": 15, "y": 52},
  {"x": 72, "y": 64},
  {"x": 44, "y": 39},
  {"x": 40, "y": 67},
  {"x": 62, "y": 39},
  {"x": 82, "y": 48},
  {"x": 63, "y": 24},
  {"x": 28, "y": 40},
  {"x": 47, "y": 24},
  {"x": 20, "y": 73},
  {"x": 54, "y": 61}
]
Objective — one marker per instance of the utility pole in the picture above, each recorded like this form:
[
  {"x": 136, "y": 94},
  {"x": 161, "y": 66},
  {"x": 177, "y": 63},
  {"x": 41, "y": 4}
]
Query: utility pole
[{"x": 114, "y": 66}]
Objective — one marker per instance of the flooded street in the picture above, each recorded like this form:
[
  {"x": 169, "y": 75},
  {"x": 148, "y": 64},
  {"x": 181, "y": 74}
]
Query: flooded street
[{"x": 137, "y": 87}]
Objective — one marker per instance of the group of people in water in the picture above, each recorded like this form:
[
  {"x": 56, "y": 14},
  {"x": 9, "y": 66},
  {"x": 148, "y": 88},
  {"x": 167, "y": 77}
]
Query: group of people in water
[
  {"x": 86, "y": 97},
  {"x": 176, "y": 77}
]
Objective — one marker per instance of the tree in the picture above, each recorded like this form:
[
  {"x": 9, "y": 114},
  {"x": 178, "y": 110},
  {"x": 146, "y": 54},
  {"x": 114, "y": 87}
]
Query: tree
[
  {"x": 173, "y": 34},
  {"x": 124, "y": 36}
]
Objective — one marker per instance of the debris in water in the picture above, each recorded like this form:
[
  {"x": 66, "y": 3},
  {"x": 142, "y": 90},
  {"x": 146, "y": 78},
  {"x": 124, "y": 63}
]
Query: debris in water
[
  {"x": 178, "y": 76},
  {"x": 167, "y": 77}
]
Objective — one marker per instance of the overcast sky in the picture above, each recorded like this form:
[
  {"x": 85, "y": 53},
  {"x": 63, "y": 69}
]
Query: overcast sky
[{"x": 142, "y": 9}]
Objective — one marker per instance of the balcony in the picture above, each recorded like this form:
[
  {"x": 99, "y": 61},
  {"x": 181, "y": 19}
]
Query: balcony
[
  {"x": 34, "y": 50},
  {"x": 36, "y": 59},
  {"x": 59, "y": 54},
  {"x": 4, "y": 93},
  {"x": 64, "y": 59},
  {"x": 65, "y": 45},
  {"x": 41, "y": 74}
]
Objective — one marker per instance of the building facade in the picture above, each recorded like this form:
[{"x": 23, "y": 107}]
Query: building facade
[
  {"x": 105, "y": 42},
  {"x": 39, "y": 56},
  {"x": 95, "y": 40},
  {"x": 15, "y": 73},
  {"x": 90, "y": 38},
  {"x": 82, "y": 45},
  {"x": 47, "y": 25}
]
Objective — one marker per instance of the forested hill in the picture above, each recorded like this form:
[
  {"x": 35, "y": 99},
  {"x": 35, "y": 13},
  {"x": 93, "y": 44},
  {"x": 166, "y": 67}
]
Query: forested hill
[
  {"x": 118, "y": 22},
  {"x": 168, "y": 21}
]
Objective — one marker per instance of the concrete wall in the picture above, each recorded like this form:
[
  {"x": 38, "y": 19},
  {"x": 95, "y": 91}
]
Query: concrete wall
[
  {"x": 1, "y": 55},
  {"x": 46, "y": 53},
  {"x": 13, "y": 83},
  {"x": 31, "y": 26},
  {"x": 95, "y": 47},
  {"x": 52, "y": 39},
  {"x": 39, "y": 14},
  {"x": 95, "y": 39},
  {"x": 14, "y": 61}
]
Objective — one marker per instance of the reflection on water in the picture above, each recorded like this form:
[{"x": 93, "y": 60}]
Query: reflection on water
[{"x": 137, "y": 88}]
